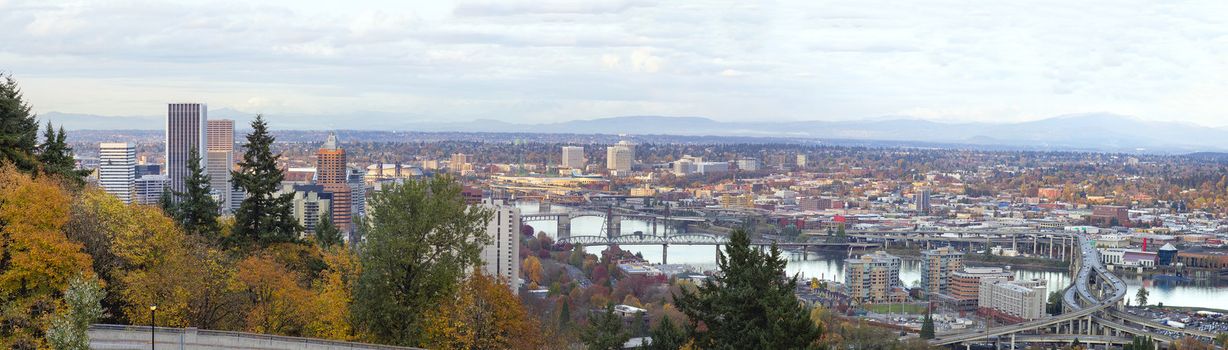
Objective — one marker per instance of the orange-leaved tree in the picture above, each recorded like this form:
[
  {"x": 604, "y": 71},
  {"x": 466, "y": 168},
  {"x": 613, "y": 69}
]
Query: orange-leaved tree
[
  {"x": 36, "y": 258},
  {"x": 484, "y": 314},
  {"x": 279, "y": 304}
]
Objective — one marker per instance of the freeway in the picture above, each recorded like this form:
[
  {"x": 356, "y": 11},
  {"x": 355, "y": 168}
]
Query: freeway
[
  {"x": 1132, "y": 330},
  {"x": 1086, "y": 303},
  {"x": 1069, "y": 338},
  {"x": 1147, "y": 323}
]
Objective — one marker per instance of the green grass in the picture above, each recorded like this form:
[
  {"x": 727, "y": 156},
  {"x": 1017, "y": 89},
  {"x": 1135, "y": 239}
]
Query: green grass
[{"x": 916, "y": 309}]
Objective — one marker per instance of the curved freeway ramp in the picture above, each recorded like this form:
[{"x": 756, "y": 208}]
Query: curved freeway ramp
[{"x": 1079, "y": 299}]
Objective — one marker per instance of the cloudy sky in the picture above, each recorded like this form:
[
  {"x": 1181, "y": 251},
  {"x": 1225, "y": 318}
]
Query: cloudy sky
[{"x": 549, "y": 60}]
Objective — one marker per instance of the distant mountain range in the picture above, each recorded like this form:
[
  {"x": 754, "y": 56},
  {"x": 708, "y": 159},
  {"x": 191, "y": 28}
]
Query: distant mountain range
[{"x": 1099, "y": 132}]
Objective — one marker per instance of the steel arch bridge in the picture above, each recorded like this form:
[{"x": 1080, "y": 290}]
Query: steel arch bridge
[{"x": 677, "y": 239}]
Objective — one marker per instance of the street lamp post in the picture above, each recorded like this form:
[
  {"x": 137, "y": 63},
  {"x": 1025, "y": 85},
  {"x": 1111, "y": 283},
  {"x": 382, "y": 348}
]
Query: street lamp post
[{"x": 153, "y": 323}]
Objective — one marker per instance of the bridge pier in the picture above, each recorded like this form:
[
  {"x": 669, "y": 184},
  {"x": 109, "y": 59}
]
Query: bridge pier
[
  {"x": 614, "y": 226},
  {"x": 564, "y": 226},
  {"x": 664, "y": 254}
]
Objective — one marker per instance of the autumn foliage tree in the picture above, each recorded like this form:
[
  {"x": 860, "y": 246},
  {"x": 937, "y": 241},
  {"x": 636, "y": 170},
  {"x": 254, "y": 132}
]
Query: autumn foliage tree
[
  {"x": 36, "y": 258},
  {"x": 279, "y": 305},
  {"x": 482, "y": 315},
  {"x": 532, "y": 268}
]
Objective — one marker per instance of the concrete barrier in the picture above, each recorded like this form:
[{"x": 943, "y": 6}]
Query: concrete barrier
[{"x": 121, "y": 337}]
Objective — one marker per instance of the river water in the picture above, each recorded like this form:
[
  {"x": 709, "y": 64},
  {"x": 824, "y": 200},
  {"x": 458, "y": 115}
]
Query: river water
[{"x": 831, "y": 266}]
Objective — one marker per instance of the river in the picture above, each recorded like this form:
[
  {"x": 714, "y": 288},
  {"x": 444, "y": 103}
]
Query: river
[{"x": 831, "y": 266}]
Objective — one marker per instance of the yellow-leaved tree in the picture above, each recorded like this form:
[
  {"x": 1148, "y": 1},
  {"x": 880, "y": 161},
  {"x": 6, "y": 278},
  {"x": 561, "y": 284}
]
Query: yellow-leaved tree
[
  {"x": 36, "y": 258},
  {"x": 147, "y": 260},
  {"x": 279, "y": 305},
  {"x": 332, "y": 297},
  {"x": 532, "y": 269},
  {"x": 483, "y": 315}
]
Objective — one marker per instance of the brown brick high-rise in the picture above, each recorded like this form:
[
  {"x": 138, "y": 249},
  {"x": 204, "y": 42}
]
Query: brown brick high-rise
[{"x": 331, "y": 173}]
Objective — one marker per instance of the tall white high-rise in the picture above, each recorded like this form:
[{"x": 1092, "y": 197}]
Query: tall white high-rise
[
  {"x": 618, "y": 160},
  {"x": 573, "y": 157},
  {"x": 500, "y": 258},
  {"x": 117, "y": 169},
  {"x": 220, "y": 144},
  {"x": 186, "y": 125}
]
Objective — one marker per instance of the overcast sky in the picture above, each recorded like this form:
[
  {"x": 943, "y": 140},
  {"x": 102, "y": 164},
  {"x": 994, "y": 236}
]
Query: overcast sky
[{"x": 548, "y": 60}]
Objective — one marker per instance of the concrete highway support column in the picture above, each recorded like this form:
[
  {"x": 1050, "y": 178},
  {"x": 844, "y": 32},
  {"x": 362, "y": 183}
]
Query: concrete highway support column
[
  {"x": 664, "y": 254},
  {"x": 564, "y": 226},
  {"x": 1050, "y": 247},
  {"x": 614, "y": 226}
]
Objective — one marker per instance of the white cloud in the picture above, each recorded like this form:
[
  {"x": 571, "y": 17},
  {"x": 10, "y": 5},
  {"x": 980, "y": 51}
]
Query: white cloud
[
  {"x": 552, "y": 60},
  {"x": 642, "y": 60}
]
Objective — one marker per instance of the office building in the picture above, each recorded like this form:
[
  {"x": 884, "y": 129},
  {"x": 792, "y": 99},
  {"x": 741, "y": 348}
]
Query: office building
[
  {"x": 937, "y": 265},
  {"x": 801, "y": 161},
  {"x": 872, "y": 278},
  {"x": 712, "y": 167},
  {"x": 221, "y": 135},
  {"x": 629, "y": 146},
  {"x": 684, "y": 167},
  {"x": 186, "y": 125},
  {"x": 500, "y": 258},
  {"x": 748, "y": 164},
  {"x": 618, "y": 160},
  {"x": 573, "y": 157},
  {"x": 358, "y": 193},
  {"x": 1110, "y": 215},
  {"x": 1023, "y": 299},
  {"x": 333, "y": 175},
  {"x": 221, "y": 139},
  {"x": 237, "y": 195},
  {"x": 310, "y": 203},
  {"x": 148, "y": 169},
  {"x": 117, "y": 169},
  {"x": 460, "y": 163},
  {"x": 922, "y": 200},
  {"x": 965, "y": 286},
  {"x": 148, "y": 189}
]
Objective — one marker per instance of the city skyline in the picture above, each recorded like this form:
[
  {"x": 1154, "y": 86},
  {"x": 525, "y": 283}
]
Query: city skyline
[{"x": 541, "y": 62}]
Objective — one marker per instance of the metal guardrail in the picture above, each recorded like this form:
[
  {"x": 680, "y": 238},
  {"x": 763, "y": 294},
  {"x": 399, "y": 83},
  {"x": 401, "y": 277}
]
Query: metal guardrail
[{"x": 144, "y": 330}]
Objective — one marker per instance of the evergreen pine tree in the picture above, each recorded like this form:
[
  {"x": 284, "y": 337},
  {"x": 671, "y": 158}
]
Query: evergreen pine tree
[
  {"x": 327, "y": 234},
  {"x": 605, "y": 331},
  {"x": 18, "y": 128},
  {"x": 57, "y": 158},
  {"x": 927, "y": 326},
  {"x": 666, "y": 336},
  {"x": 195, "y": 210},
  {"x": 167, "y": 203},
  {"x": 263, "y": 217},
  {"x": 750, "y": 304},
  {"x": 565, "y": 315}
]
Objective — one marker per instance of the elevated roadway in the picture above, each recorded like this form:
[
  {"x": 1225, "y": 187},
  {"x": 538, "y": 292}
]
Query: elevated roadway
[{"x": 1080, "y": 299}]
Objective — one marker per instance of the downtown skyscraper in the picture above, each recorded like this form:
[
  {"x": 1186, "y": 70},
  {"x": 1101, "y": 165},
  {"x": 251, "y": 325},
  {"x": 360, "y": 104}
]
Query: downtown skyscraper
[
  {"x": 221, "y": 141},
  {"x": 117, "y": 169},
  {"x": 186, "y": 125},
  {"x": 332, "y": 174}
]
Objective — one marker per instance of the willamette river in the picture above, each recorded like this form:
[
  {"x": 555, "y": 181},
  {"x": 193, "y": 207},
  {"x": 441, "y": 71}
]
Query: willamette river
[{"x": 831, "y": 266}]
